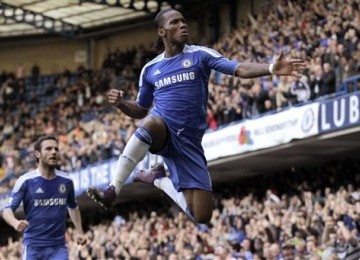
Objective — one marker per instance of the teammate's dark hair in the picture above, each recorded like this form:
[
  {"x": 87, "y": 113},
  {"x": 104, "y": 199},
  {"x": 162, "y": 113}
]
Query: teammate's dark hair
[
  {"x": 159, "y": 45},
  {"x": 37, "y": 145}
]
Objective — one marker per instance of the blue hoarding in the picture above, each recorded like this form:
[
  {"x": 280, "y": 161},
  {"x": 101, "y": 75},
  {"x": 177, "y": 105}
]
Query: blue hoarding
[{"x": 339, "y": 113}]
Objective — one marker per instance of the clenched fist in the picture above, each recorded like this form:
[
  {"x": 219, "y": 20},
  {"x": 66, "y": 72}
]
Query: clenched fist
[
  {"x": 81, "y": 240},
  {"x": 20, "y": 225},
  {"x": 115, "y": 96}
]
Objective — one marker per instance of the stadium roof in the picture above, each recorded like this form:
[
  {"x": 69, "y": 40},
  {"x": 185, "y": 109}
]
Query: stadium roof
[{"x": 72, "y": 18}]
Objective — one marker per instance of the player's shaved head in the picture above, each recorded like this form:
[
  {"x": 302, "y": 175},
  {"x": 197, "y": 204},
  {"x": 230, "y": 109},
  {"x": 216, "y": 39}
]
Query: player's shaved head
[{"x": 159, "y": 19}]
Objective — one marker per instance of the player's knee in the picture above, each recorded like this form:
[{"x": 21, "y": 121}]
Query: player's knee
[
  {"x": 203, "y": 218},
  {"x": 156, "y": 126},
  {"x": 202, "y": 207}
]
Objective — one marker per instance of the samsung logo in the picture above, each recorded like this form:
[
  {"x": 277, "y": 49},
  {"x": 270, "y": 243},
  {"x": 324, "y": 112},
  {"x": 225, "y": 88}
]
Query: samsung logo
[
  {"x": 175, "y": 79},
  {"x": 50, "y": 202}
]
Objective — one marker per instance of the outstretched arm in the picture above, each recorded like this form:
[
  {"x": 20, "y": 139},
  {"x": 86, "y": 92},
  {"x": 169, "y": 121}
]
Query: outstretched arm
[
  {"x": 281, "y": 67},
  {"x": 129, "y": 108}
]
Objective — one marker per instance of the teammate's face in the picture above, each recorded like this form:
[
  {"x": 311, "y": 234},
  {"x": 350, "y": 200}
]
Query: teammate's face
[
  {"x": 49, "y": 154},
  {"x": 174, "y": 27}
]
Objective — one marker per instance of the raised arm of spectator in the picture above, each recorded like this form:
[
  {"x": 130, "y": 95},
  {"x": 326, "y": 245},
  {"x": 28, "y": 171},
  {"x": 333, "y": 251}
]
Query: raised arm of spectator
[
  {"x": 280, "y": 67},
  {"x": 239, "y": 37},
  {"x": 308, "y": 206},
  {"x": 268, "y": 212},
  {"x": 268, "y": 231},
  {"x": 129, "y": 108},
  {"x": 329, "y": 224},
  {"x": 347, "y": 234}
]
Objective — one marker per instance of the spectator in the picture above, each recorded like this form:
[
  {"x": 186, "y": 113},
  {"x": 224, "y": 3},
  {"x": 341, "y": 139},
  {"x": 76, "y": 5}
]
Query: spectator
[
  {"x": 35, "y": 73},
  {"x": 316, "y": 83},
  {"x": 328, "y": 80}
]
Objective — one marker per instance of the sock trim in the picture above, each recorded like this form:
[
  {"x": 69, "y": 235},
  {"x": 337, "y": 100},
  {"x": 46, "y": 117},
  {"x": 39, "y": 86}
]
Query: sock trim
[{"x": 144, "y": 135}]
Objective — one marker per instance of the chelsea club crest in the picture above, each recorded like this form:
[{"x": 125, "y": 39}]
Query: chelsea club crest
[
  {"x": 62, "y": 188},
  {"x": 186, "y": 63}
]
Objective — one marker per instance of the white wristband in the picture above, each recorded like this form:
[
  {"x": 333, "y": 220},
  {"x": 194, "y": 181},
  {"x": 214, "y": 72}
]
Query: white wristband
[{"x": 271, "y": 68}]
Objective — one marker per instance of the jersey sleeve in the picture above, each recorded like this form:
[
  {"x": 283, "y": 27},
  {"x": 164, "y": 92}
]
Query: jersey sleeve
[
  {"x": 71, "y": 201},
  {"x": 17, "y": 195},
  {"x": 216, "y": 61},
  {"x": 145, "y": 95}
]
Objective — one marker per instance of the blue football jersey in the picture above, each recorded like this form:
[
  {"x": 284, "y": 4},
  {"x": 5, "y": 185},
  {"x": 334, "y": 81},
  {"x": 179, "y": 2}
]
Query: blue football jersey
[
  {"x": 45, "y": 205},
  {"x": 179, "y": 85}
]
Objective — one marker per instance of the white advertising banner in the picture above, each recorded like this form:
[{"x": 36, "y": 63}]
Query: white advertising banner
[{"x": 263, "y": 132}]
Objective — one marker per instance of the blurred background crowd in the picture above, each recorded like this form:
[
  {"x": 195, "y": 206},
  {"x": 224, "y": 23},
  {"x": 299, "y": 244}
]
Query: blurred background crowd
[
  {"x": 310, "y": 213},
  {"x": 304, "y": 213},
  {"x": 73, "y": 105}
]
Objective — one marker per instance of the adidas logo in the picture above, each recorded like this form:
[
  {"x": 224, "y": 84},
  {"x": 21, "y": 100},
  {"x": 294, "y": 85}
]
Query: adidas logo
[
  {"x": 157, "y": 72},
  {"x": 39, "y": 190}
]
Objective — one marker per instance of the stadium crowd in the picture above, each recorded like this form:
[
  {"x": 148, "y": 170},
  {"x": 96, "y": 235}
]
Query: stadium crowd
[
  {"x": 309, "y": 214},
  {"x": 304, "y": 213},
  {"x": 72, "y": 105}
]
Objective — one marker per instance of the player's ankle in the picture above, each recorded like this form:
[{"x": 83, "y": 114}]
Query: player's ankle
[{"x": 117, "y": 190}]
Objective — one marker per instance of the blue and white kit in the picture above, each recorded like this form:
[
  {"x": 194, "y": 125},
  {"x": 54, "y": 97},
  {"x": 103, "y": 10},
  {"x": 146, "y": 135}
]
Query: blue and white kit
[
  {"x": 45, "y": 205},
  {"x": 178, "y": 87}
]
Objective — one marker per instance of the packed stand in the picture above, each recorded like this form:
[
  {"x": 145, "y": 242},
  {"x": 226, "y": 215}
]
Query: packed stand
[
  {"x": 326, "y": 35},
  {"x": 310, "y": 213},
  {"x": 323, "y": 33},
  {"x": 88, "y": 129}
]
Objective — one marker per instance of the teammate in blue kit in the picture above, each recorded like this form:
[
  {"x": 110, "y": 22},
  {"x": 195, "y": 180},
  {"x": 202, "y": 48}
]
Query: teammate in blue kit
[
  {"x": 175, "y": 84},
  {"x": 46, "y": 194}
]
